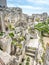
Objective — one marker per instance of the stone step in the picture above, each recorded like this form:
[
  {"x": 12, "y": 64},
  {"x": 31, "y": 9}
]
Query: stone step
[
  {"x": 31, "y": 55},
  {"x": 31, "y": 51}
]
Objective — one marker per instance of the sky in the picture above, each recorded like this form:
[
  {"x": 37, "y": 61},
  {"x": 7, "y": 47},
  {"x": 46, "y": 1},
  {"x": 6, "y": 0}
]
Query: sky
[{"x": 30, "y": 6}]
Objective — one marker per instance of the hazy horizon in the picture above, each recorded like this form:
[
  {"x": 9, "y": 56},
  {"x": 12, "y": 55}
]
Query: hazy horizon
[{"x": 30, "y": 6}]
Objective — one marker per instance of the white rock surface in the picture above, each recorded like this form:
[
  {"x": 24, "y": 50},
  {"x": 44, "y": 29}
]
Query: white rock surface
[
  {"x": 6, "y": 58},
  {"x": 5, "y": 44}
]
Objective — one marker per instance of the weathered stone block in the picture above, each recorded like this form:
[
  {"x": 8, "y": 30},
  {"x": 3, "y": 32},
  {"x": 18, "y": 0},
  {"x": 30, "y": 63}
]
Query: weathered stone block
[
  {"x": 5, "y": 44},
  {"x": 6, "y": 59}
]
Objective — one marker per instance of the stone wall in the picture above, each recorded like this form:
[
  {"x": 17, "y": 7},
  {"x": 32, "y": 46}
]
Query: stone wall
[{"x": 46, "y": 60}]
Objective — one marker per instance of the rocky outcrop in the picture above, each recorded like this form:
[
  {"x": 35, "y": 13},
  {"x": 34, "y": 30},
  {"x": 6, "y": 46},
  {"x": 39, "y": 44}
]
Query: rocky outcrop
[
  {"x": 5, "y": 44},
  {"x": 46, "y": 58},
  {"x": 6, "y": 59}
]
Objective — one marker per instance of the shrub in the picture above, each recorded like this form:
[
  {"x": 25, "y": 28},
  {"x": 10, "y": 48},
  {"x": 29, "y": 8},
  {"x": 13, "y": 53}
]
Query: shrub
[{"x": 11, "y": 35}]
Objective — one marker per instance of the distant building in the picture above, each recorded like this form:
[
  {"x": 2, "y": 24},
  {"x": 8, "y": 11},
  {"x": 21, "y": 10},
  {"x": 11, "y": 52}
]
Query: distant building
[
  {"x": 3, "y": 3},
  {"x": 42, "y": 17}
]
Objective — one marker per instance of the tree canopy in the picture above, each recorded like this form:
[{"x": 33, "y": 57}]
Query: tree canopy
[{"x": 42, "y": 27}]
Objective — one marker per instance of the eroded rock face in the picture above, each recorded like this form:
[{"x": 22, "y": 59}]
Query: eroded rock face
[
  {"x": 46, "y": 59},
  {"x": 1, "y": 62},
  {"x": 13, "y": 49},
  {"x": 5, "y": 44},
  {"x": 6, "y": 59}
]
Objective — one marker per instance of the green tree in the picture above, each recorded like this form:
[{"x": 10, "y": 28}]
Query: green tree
[{"x": 42, "y": 27}]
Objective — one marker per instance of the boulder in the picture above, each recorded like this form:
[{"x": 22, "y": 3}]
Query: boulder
[
  {"x": 5, "y": 44},
  {"x": 6, "y": 59}
]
